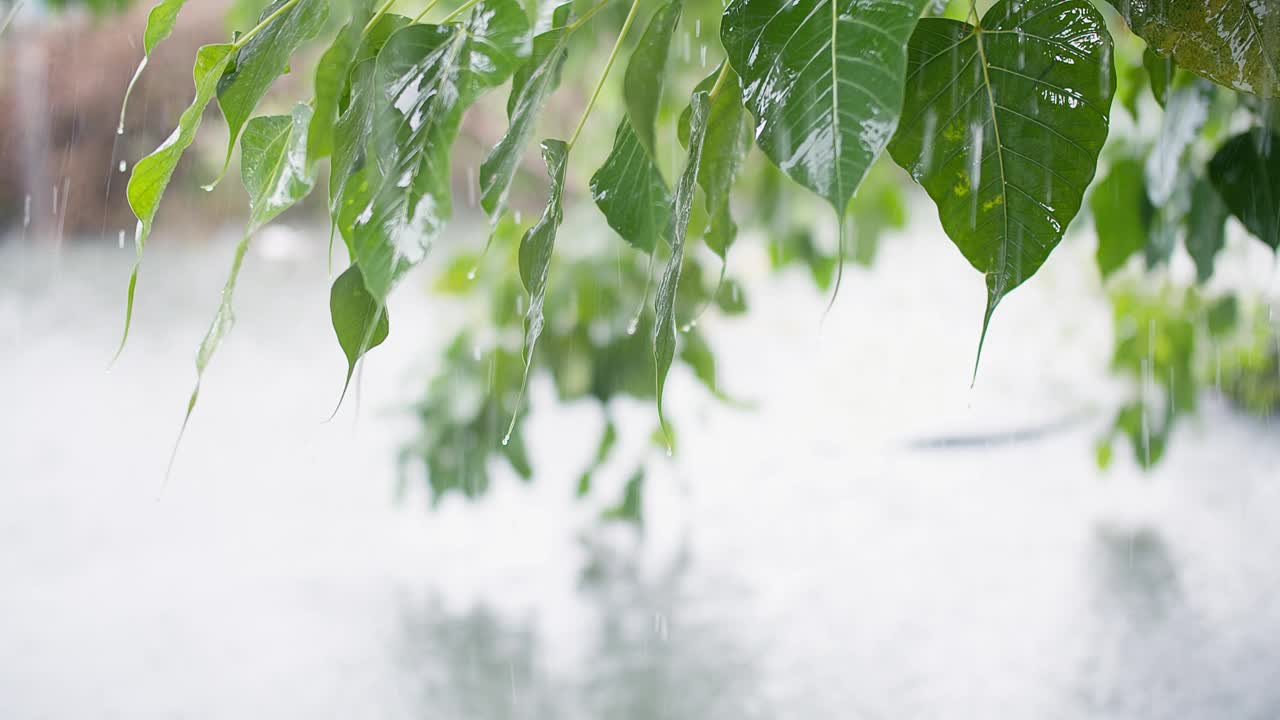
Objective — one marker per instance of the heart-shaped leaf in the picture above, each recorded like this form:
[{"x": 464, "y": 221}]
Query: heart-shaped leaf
[
  {"x": 1235, "y": 43},
  {"x": 824, "y": 80},
  {"x": 1003, "y": 124},
  {"x": 359, "y": 320},
  {"x": 1246, "y": 172}
]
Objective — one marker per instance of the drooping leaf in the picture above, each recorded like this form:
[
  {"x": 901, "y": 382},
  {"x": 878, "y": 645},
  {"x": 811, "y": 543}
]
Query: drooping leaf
[
  {"x": 1003, "y": 125},
  {"x": 393, "y": 207},
  {"x": 264, "y": 57},
  {"x": 631, "y": 508},
  {"x": 824, "y": 80},
  {"x": 160, "y": 22},
  {"x": 359, "y": 320},
  {"x": 1246, "y": 173},
  {"x": 728, "y": 139},
  {"x": 647, "y": 72},
  {"x": 631, "y": 192},
  {"x": 532, "y": 84},
  {"x": 275, "y": 173},
  {"x": 1185, "y": 114},
  {"x": 274, "y": 164},
  {"x": 332, "y": 71},
  {"x": 536, "y": 249},
  {"x": 1160, "y": 70},
  {"x": 151, "y": 174},
  {"x": 665, "y": 326},
  {"x": 1121, "y": 214},
  {"x": 1206, "y": 227},
  {"x": 1235, "y": 43},
  {"x": 608, "y": 439}
]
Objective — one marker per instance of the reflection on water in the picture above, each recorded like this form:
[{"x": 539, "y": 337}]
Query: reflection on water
[
  {"x": 651, "y": 652},
  {"x": 800, "y": 560}
]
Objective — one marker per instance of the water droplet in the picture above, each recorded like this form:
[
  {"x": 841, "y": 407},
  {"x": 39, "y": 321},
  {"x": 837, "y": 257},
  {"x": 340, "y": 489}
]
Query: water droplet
[
  {"x": 506, "y": 440},
  {"x": 123, "y": 166},
  {"x": 471, "y": 274},
  {"x": 121, "y": 239}
]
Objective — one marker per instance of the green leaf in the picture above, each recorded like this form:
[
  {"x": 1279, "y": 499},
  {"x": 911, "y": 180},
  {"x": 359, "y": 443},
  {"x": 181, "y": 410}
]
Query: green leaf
[
  {"x": 1003, "y": 125},
  {"x": 536, "y": 249},
  {"x": 275, "y": 172},
  {"x": 1206, "y": 227},
  {"x": 824, "y": 80},
  {"x": 160, "y": 22},
  {"x": 1160, "y": 69},
  {"x": 263, "y": 58},
  {"x": 332, "y": 72},
  {"x": 665, "y": 326},
  {"x": 728, "y": 139},
  {"x": 647, "y": 73},
  {"x": 1246, "y": 172},
  {"x": 631, "y": 508},
  {"x": 631, "y": 192},
  {"x": 274, "y": 164},
  {"x": 394, "y": 207},
  {"x": 151, "y": 175},
  {"x": 607, "y": 440},
  {"x": 532, "y": 84},
  {"x": 1121, "y": 214},
  {"x": 359, "y": 320},
  {"x": 1235, "y": 43}
]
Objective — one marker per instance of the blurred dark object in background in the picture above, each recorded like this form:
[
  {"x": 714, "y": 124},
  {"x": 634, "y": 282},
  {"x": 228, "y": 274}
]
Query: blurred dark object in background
[{"x": 60, "y": 99}]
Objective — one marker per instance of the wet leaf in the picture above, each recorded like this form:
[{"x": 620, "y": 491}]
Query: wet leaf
[
  {"x": 631, "y": 192},
  {"x": 393, "y": 207},
  {"x": 1246, "y": 172},
  {"x": 160, "y": 22},
  {"x": 1003, "y": 126},
  {"x": 607, "y": 440},
  {"x": 647, "y": 72},
  {"x": 725, "y": 147},
  {"x": 1206, "y": 228},
  {"x": 532, "y": 84},
  {"x": 359, "y": 320},
  {"x": 151, "y": 174},
  {"x": 332, "y": 71},
  {"x": 824, "y": 80},
  {"x": 536, "y": 249},
  {"x": 1121, "y": 214},
  {"x": 1235, "y": 43},
  {"x": 665, "y": 326},
  {"x": 264, "y": 57}
]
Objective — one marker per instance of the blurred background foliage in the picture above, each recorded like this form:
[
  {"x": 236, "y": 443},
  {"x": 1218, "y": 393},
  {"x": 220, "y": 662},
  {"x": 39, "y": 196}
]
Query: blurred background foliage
[{"x": 1179, "y": 329}]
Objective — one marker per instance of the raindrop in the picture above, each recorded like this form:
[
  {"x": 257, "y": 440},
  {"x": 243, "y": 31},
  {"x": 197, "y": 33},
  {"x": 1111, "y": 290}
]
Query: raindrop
[
  {"x": 26, "y": 212},
  {"x": 121, "y": 240},
  {"x": 506, "y": 440},
  {"x": 471, "y": 274},
  {"x": 123, "y": 166}
]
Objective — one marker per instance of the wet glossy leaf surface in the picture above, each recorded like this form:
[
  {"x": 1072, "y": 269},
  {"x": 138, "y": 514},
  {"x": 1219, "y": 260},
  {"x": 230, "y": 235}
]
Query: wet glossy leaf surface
[
  {"x": 1246, "y": 172},
  {"x": 728, "y": 139},
  {"x": 1232, "y": 42},
  {"x": 1003, "y": 128},
  {"x": 665, "y": 325},
  {"x": 1206, "y": 227},
  {"x": 824, "y": 80},
  {"x": 531, "y": 85},
  {"x": 538, "y": 244},
  {"x": 151, "y": 175},
  {"x": 264, "y": 58}
]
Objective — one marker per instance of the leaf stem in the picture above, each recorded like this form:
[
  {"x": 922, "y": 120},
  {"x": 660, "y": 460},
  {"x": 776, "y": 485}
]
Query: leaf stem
[
  {"x": 386, "y": 6},
  {"x": 245, "y": 38},
  {"x": 720, "y": 79},
  {"x": 430, "y": 6},
  {"x": 613, "y": 56},
  {"x": 461, "y": 9},
  {"x": 586, "y": 16}
]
